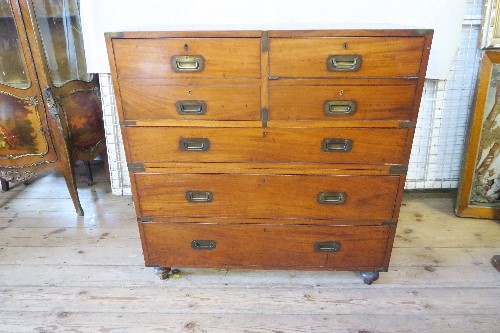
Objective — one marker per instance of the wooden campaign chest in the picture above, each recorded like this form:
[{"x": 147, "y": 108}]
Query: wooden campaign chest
[{"x": 269, "y": 149}]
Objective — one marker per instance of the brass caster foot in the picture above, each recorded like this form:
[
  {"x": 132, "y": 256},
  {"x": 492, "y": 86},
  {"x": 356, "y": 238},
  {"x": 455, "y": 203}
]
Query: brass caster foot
[
  {"x": 369, "y": 277},
  {"x": 166, "y": 272}
]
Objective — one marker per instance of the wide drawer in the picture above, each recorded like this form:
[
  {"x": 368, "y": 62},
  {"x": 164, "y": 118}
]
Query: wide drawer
[
  {"x": 196, "y": 102},
  {"x": 265, "y": 246},
  {"x": 267, "y": 196},
  {"x": 346, "y": 56},
  {"x": 273, "y": 145},
  {"x": 356, "y": 102},
  {"x": 187, "y": 57}
]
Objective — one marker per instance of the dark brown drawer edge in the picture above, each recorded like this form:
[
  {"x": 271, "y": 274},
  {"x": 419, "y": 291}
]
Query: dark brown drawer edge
[{"x": 265, "y": 221}]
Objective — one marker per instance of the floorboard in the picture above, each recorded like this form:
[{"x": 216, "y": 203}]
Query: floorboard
[{"x": 63, "y": 273}]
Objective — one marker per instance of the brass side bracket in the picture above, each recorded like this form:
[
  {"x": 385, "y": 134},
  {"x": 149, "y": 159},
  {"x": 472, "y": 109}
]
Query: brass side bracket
[
  {"x": 128, "y": 123},
  {"x": 389, "y": 223},
  {"x": 265, "y": 117},
  {"x": 144, "y": 219},
  {"x": 407, "y": 124},
  {"x": 398, "y": 170},
  {"x": 265, "y": 41},
  {"x": 136, "y": 167}
]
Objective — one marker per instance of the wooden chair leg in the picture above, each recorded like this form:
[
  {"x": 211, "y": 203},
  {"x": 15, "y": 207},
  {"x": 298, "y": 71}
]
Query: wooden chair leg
[
  {"x": 5, "y": 185},
  {"x": 89, "y": 173}
]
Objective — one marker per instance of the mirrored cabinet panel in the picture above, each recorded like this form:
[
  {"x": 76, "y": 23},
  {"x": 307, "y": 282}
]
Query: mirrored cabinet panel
[{"x": 50, "y": 109}]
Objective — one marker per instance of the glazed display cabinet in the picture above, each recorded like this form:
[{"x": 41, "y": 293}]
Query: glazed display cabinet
[{"x": 50, "y": 110}]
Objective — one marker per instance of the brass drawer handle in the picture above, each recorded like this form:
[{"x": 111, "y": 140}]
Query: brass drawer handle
[
  {"x": 344, "y": 63},
  {"x": 194, "y": 144},
  {"x": 339, "y": 108},
  {"x": 336, "y": 145},
  {"x": 181, "y": 63},
  {"x": 199, "y": 196},
  {"x": 191, "y": 107},
  {"x": 332, "y": 198},
  {"x": 203, "y": 244},
  {"x": 327, "y": 246}
]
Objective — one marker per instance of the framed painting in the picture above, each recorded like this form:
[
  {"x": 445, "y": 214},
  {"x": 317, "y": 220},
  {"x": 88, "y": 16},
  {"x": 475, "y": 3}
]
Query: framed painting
[
  {"x": 479, "y": 189},
  {"x": 490, "y": 27}
]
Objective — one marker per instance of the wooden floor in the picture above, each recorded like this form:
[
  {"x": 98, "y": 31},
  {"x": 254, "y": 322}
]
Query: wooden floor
[{"x": 63, "y": 273}]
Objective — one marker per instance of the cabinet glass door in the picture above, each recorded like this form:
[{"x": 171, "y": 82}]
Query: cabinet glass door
[
  {"x": 62, "y": 39},
  {"x": 13, "y": 70}
]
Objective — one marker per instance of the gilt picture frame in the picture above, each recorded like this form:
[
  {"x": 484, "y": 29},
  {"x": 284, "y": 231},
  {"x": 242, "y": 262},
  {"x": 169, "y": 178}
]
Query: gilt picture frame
[
  {"x": 479, "y": 189},
  {"x": 490, "y": 26}
]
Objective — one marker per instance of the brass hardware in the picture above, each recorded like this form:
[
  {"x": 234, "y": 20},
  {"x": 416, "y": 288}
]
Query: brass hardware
[
  {"x": 203, "y": 244},
  {"x": 346, "y": 45},
  {"x": 52, "y": 107},
  {"x": 398, "y": 170},
  {"x": 265, "y": 41},
  {"x": 199, "y": 196},
  {"x": 194, "y": 144},
  {"x": 186, "y": 47},
  {"x": 145, "y": 218},
  {"x": 407, "y": 124},
  {"x": 136, "y": 167},
  {"x": 128, "y": 123},
  {"x": 333, "y": 145},
  {"x": 191, "y": 107},
  {"x": 332, "y": 198},
  {"x": 327, "y": 246},
  {"x": 265, "y": 116},
  {"x": 389, "y": 223},
  {"x": 344, "y": 63},
  {"x": 339, "y": 108},
  {"x": 182, "y": 63},
  {"x": 114, "y": 34}
]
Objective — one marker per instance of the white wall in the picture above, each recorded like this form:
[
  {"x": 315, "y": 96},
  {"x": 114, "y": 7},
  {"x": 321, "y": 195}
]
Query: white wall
[{"x": 444, "y": 16}]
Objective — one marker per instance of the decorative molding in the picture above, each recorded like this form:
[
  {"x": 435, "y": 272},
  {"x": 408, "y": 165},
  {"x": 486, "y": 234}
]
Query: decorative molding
[
  {"x": 52, "y": 107},
  {"x": 17, "y": 176}
]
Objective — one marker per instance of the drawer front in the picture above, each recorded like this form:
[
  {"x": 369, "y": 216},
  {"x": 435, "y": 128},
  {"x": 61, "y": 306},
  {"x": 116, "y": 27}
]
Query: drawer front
[
  {"x": 196, "y": 102},
  {"x": 341, "y": 102},
  {"x": 193, "y": 57},
  {"x": 267, "y": 196},
  {"x": 349, "y": 56},
  {"x": 266, "y": 246},
  {"x": 318, "y": 145}
]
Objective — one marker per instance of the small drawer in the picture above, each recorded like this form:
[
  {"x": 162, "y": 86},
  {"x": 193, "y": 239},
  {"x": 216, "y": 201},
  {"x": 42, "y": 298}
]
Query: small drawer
[
  {"x": 267, "y": 196},
  {"x": 195, "y": 102},
  {"x": 341, "y": 102},
  {"x": 272, "y": 145},
  {"x": 346, "y": 57},
  {"x": 187, "y": 58},
  {"x": 266, "y": 246}
]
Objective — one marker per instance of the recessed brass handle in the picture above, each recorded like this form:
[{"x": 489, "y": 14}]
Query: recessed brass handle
[
  {"x": 203, "y": 244},
  {"x": 199, "y": 196},
  {"x": 344, "y": 63},
  {"x": 339, "y": 108},
  {"x": 333, "y": 145},
  {"x": 191, "y": 107},
  {"x": 327, "y": 246},
  {"x": 182, "y": 63},
  {"x": 194, "y": 144},
  {"x": 332, "y": 198}
]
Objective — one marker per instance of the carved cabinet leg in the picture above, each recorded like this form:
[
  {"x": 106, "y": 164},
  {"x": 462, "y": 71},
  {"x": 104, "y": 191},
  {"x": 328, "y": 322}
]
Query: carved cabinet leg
[
  {"x": 369, "y": 277},
  {"x": 73, "y": 192}
]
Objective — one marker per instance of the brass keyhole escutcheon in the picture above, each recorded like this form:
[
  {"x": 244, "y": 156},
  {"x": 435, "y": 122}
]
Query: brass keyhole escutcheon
[
  {"x": 346, "y": 45},
  {"x": 341, "y": 92},
  {"x": 186, "y": 47}
]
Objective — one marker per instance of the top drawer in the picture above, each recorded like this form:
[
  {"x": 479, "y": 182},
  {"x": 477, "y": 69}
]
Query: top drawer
[
  {"x": 346, "y": 56},
  {"x": 187, "y": 58}
]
